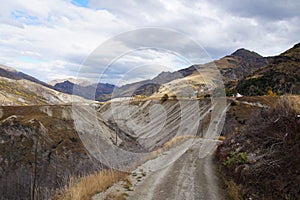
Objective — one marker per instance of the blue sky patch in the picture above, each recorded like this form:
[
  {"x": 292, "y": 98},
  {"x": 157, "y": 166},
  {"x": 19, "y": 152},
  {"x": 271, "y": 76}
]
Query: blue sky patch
[
  {"x": 81, "y": 3},
  {"x": 25, "y": 18},
  {"x": 29, "y": 59}
]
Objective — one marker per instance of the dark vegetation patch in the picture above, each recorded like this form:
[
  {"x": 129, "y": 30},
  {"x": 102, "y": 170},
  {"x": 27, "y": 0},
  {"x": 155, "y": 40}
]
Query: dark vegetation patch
[{"x": 261, "y": 161}]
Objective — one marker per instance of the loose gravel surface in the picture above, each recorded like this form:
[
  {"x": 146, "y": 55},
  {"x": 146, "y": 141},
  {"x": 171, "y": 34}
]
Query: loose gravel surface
[{"x": 186, "y": 177}]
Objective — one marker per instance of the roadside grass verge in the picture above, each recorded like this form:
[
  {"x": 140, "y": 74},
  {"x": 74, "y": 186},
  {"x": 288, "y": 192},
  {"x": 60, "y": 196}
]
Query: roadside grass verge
[{"x": 83, "y": 188}]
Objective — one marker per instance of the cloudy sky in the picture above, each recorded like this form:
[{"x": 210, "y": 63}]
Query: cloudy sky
[{"x": 50, "y": 39}]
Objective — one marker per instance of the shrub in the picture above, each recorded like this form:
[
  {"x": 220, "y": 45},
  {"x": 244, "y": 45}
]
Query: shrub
[
  {"x": 164, "y": 98},
  {"x": 239, "y": 158}
]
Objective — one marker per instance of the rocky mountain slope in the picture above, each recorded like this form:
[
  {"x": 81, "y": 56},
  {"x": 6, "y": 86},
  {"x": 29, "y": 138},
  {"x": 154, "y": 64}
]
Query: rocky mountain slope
[
  {"x": 238, "y": 65},
  {"x": 18, "y": 88},
  {"x": 280, "y": 76}
]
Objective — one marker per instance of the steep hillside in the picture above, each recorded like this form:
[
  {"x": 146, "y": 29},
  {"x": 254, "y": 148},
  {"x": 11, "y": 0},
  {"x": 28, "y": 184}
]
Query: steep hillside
[
  {"x": 239, "y": 64},
  {"x": 18, "y": 88},
  {"x": 39, "y": 151},
  {"x": 280, "y": 76},
  {"x": 152, "y": 122},
  {"x": 24, "y": 92}
]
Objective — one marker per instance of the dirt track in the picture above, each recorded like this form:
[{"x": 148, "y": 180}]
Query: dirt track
[{"x": 189, "y": 177}]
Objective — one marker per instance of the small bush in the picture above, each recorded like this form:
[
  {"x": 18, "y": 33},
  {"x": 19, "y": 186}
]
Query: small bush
[
  {"x": 239, "y": 158},
  {"x": 164, "y": 98}
]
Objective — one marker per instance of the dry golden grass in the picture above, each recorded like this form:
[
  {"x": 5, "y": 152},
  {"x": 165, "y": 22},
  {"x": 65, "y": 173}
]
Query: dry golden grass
[
  {"x": 233, "y": 190},
  {"x": 176, "y": 140},
  {"x": 84, "y": 188},
  {"x": 295, "y": 101},
  {"x": 221, "y": 138},
  {"x": 171, "y": 143}
]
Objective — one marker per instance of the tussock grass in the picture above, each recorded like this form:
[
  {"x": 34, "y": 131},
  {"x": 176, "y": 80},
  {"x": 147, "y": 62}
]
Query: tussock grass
[
  {"x": 233, "y": 190},
  {"x": 294, "y": 101},
  {"x": 85, "y": 187}
]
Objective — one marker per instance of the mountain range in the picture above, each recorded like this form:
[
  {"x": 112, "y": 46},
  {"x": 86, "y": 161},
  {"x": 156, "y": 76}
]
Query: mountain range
[{"x": 243, "y": 71}]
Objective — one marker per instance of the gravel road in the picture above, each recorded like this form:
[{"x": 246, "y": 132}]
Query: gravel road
[{"x": 188, "y": 177}]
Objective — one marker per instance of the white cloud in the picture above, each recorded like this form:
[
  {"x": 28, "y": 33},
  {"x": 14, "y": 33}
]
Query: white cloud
[{"x": 56, "y": 35}]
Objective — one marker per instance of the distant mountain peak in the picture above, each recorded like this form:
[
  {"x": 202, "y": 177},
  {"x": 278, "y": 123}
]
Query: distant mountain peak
[
  {"x": 245, "y": 53},
  {"x": 81, "y": 82},
  {"x": 68, "y": 82}
]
